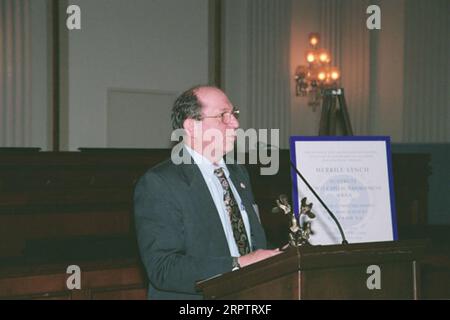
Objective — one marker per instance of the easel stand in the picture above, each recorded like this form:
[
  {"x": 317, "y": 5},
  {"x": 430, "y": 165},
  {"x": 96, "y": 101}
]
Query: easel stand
[{"x": 334, "y": 119}]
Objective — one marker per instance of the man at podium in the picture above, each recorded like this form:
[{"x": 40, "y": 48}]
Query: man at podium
[{"x": 197, "y": 219}]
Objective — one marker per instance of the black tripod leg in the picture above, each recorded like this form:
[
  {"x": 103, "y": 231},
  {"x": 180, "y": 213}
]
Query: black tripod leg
[
  {"x": 324, "y": 117},
  {"x": 345, "y": 117},
  {"x": 333, "y": 114}
]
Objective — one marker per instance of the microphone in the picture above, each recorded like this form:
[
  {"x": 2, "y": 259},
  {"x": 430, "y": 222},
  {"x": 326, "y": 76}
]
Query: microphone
[{"x": 344, "y": 240}]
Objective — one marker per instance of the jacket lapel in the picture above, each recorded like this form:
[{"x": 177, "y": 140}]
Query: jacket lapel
[{"x": 204, "y": 205}]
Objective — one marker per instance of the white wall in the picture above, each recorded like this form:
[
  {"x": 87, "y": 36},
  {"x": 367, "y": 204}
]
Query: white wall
[
  {"x": 162, "y": 45},
  {"x": 39, "y": 74},
  {"x": 22, "y": 60},
  {"x": 139, "y": 119},
  {"x": 389, "y": 87},
  {"x": 234, "y": 56},
  {"x": 132, "y": 44},
  {"x": 256, "y": 63},
  {"x": 373, "y": 64},
  {"x": 305, "y": 19},
  {"x": 427, "y": 71}
]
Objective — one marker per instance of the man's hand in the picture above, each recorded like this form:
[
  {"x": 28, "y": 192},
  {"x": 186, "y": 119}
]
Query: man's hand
[{"x": 256, "y": 256}]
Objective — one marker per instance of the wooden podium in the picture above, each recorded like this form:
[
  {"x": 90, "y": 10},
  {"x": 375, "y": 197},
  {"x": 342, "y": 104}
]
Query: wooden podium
[{"x": 326, "y": 272}]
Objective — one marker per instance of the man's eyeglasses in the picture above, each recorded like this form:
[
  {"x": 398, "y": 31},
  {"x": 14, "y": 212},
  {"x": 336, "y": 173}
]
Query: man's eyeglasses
[{"x": 226, "y": 116}]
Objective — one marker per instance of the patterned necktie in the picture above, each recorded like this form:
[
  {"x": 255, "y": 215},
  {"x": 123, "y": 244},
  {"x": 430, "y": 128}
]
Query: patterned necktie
[{"x": 237, "y": 223}]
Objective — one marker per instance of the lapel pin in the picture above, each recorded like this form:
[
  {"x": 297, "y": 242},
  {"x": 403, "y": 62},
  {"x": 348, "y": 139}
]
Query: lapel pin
[{"x": 242, "y": 185}]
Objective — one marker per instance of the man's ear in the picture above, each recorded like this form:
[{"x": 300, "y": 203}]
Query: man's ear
[{"x": 188, "y": 126}]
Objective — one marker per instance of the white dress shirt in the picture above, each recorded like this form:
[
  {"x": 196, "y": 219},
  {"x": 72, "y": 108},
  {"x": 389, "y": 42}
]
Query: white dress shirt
[{"x": 216, "y": 190}]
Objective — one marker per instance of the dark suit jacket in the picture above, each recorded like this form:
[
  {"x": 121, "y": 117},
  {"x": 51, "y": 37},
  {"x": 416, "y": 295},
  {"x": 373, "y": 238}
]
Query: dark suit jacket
[{"x": 180, "y": 235}]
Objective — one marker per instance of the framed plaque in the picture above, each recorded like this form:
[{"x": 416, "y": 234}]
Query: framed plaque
[{"x": 353, "y": 177}]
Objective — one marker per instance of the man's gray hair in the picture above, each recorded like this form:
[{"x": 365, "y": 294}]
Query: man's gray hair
[{"x": 186, "y": 106}]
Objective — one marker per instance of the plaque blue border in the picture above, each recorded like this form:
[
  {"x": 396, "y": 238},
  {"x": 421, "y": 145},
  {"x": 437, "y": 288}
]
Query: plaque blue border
[{"x": 386, "y": 139}]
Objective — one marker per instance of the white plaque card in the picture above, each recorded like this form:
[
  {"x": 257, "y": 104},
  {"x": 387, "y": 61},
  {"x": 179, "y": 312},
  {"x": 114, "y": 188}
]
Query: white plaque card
[{"x": 353, "y": 176}]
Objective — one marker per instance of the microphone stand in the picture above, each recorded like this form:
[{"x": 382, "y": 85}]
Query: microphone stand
[{"x": 344, "y": 240}]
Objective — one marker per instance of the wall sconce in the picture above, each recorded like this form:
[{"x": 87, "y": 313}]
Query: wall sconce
[{"x": 318, "y": 75}]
